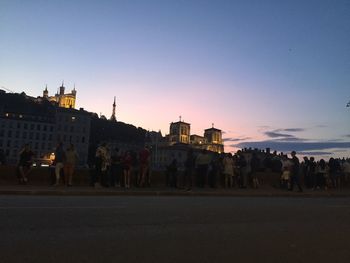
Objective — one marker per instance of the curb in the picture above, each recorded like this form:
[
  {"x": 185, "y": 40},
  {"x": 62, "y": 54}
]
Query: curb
[{"x": 171, "y": 193}]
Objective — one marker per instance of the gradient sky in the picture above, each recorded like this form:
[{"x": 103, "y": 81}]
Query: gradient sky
[{"x": 268, "y": 73}]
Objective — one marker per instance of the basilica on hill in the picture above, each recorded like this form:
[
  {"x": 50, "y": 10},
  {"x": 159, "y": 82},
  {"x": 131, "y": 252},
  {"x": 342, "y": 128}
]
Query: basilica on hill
[{"x": 64, "y": 100}]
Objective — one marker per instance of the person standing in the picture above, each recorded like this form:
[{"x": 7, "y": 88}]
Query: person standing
[
  {"x": 189, "y": 169},
  {"x": 59, "y": 156},
  {"x": 295, "y": 172},
  {"x": 116, "y": 168},
  {"x": 228, "y": 170},
  {"x": 202, "y": 163},
  {"x": 127, "y": 162},
  {"x": 100, "y": 164},
  {"x": 2, "y": 157},
  {"x": 144, "y": 157},
  {"x": 255, "y": 166},
  {"x": 70, "y": 160}
]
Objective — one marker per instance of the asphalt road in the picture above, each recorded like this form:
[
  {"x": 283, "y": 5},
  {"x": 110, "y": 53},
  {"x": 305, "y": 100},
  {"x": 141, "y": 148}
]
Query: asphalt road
[{"x": 174, "y": 229}]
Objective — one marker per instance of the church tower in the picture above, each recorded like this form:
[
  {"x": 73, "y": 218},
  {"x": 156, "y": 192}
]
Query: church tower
[
  {"x": 213, "y": 137},
  {"x": 46, "y": 93},
  {"x": 179, "y": 132},
  {"x": 113, "y": 118}
]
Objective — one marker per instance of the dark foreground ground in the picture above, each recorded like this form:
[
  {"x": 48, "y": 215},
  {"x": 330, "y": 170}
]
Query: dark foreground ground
[{"x": 174, "y": 229}]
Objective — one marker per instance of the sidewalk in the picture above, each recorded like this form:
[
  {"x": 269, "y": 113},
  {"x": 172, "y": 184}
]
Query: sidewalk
[{"x": 264, "y": 191}]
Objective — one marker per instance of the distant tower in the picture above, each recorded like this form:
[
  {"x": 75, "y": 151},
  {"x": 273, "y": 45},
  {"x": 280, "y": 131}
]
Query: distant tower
[
  {"x": 62, "y": 89},
  {"x": 179, "y": 132},
  {"x": 74, "y": 91},
  {"x": 113, "y": 118},
  {"x": 214, "y": 139},
  {"x": 45, "y": 93}
]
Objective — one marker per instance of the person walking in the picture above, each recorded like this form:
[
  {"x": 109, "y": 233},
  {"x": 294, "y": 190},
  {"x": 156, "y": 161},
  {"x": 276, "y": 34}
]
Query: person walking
[{"x": 25, "y": 163}]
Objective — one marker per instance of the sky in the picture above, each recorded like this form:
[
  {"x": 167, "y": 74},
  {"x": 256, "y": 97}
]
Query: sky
[{"x": 267, "y": 73}]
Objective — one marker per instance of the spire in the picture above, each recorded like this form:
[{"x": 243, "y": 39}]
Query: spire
[
  {"x": 62, "y": 88},
  {"x": 45, "y": 92},
  {"x": 113, "y": 118}
]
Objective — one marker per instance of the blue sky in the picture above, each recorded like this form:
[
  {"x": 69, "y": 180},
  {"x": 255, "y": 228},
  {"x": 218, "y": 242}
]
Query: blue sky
[{"x": 268, "y": 73}]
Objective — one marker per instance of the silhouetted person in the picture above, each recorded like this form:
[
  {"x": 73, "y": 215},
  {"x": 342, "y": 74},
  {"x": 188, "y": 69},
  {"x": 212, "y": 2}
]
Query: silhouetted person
[
  {"x": 25, "y": 163},
  {"x": 334, "y": 172},
  {"x": 255, "y": 165},
  {"x": 305, "y": 168},
  {"x": 2, "y": 157},
  {"x": 59, "y": 157},
  {"x": 69, "y": 163},
  {"x": 202, "y": 163},
  {"x": 190, "y": 165},
  {"x": 295, "y": 172},
  {"x": 172, "y": 173},
  {"x": 116, "y": 170},
  {"x": 144, "y": 157}
]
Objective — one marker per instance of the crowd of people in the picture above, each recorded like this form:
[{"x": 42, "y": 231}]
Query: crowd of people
[
  {"x": 115, "y": 168},
  {"x": 247, "y": 169}
]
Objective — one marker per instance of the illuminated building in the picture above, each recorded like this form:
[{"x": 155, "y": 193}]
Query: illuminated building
[
  {"x": 64, "y": 100},
  {"x": 179, "y": 140},
  {"x": 179, "y": 132}
]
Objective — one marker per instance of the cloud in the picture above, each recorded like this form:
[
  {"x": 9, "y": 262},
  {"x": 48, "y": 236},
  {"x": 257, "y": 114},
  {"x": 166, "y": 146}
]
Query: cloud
[
  {"x": 348, "y": 135},
  {"x": 274, "y": 134},
  {"x": 236, "y": 139},
  {"x": 315, "y": 153},
  {"x": 292, "y": 130},
  {"x": 290, "y": 139},
  {"x": 299, "y": 146}
]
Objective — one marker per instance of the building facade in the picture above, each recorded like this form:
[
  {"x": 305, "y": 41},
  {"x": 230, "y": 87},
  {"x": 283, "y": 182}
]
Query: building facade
[{"x": 41, "y": 125}]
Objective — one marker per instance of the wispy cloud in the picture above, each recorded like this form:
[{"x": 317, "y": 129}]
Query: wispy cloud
[
  {"x": 274, "y": 134},
  {"x": 298, "y": 146},
  {"x": 236, "y": 139},
  {"x": 316, "y": 153},
  {"x": 292, "y": 130}
]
